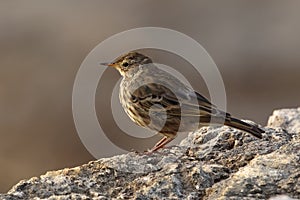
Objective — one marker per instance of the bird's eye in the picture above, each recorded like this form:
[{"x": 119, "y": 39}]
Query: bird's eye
[{"x": 125, "y": 64}]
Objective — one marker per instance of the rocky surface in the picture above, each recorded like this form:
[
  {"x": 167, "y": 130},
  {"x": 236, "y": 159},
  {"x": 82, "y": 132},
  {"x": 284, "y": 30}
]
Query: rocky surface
[{"x": 211, "y": 163}]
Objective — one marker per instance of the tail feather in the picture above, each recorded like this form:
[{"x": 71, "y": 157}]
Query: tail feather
[{"x": 249, "y": 128}]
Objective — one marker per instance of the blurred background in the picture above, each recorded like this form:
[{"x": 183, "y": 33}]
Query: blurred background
[{"x": 254, "y": 43}]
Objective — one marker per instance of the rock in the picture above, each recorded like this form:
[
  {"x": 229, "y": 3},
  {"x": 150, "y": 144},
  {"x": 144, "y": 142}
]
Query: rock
[
  {"x": 288, "y": 119},
  {"x": 211, "y": 163}
]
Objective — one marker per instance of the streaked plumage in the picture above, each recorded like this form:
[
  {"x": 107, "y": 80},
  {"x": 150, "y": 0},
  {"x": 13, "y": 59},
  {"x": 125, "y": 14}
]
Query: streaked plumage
[{"x": 155, "y": 99}]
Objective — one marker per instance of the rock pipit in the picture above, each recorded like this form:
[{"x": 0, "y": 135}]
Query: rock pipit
[{"x": 155, "y": 99}]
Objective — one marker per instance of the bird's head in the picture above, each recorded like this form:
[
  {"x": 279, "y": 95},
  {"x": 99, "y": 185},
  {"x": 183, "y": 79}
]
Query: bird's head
[{"x": 128, "y": 61}]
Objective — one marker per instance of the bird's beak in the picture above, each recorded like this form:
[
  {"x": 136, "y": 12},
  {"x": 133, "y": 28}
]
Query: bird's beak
[{"x": 107, "y": 64}]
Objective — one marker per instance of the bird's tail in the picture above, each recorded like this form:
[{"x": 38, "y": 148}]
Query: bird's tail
[{"x": 238, "y": 124}]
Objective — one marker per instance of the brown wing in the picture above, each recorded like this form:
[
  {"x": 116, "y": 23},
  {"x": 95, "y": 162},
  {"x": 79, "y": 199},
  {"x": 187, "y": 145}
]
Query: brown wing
[{"x": 183, "y": 103}]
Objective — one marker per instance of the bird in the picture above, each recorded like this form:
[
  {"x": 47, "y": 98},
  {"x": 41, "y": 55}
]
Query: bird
[{"x": 155, "y": 99}]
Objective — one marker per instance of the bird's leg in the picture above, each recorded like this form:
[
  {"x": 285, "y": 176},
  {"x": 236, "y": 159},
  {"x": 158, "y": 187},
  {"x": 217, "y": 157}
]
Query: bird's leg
[
  {"x": 161, "y": 141},
  {"x": 165, "y": 140}
]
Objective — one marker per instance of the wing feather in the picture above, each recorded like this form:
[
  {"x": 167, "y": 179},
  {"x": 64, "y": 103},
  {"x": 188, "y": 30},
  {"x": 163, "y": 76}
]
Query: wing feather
[{"x": 186, "y": 103}]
